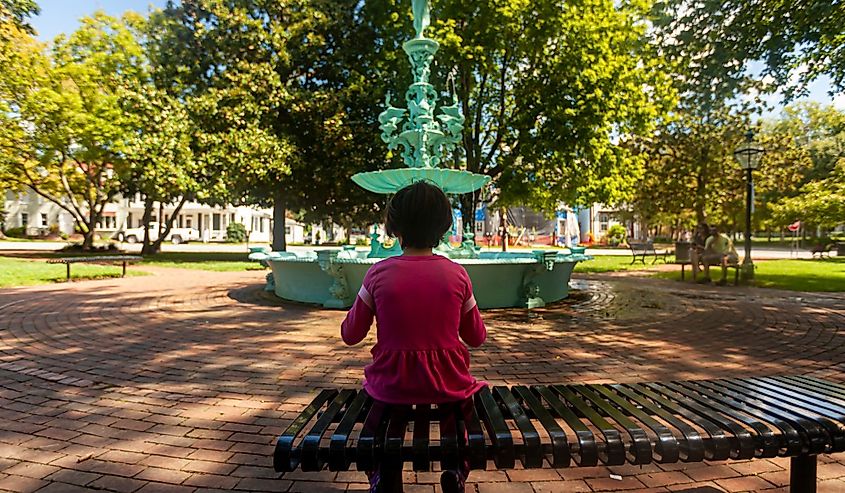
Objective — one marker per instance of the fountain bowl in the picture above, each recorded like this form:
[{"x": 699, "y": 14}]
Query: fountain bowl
[{"x": 332, "y": 278}]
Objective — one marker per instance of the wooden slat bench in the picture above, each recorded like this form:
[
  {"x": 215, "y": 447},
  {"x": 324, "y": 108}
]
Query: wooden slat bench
[
  {"x": 576, "y": 425},
  {"x": 639, "y": 251},
  {"x": 103, "y": 259}
]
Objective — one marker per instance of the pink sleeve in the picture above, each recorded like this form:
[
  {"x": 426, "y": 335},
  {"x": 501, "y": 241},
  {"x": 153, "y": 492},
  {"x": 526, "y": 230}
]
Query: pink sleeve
[
  {"x": 472, "y": 328},
  {"x": 359, "y": 319}
]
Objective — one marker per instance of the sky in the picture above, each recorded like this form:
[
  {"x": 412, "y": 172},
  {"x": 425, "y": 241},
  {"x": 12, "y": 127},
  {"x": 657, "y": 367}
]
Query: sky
[{"x": 62, "y": 16}]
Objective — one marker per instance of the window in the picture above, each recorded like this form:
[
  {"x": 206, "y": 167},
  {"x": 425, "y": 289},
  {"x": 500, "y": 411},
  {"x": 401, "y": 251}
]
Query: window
[
  {"x": 24, "y": 219},
  {"x": 181, "y": 220},
  {"x": 261, "y": 225},
  {"x": 188, "y": 222},
  {"x": 232, "y": 218},
  {"x": 287, "y": 230},
  {"x": 215, "y": 222},
  {"x": 44, "y": 220},
  {"x": 129, "y": 220},
  {"x": 479, "y": 227},
  {"x": 604, "y": 221}
]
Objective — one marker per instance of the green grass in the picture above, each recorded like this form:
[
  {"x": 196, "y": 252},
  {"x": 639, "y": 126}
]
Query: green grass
[
  {"x": 793, "y": 275},
  {"x": 611, "y": 263},
  {"x": 20, "y": 272},
  {"x": 212, "y": 261}
]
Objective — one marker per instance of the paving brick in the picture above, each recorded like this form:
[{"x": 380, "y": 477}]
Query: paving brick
[
  {"x": 117, "y": 483},
  {"x": 20, "y": 484},
  {"x": 745, "y": 483}
]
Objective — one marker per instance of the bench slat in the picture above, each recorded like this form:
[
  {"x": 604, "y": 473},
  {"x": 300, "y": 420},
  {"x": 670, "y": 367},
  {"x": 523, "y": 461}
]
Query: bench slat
[
  {"x": 560, "y": 447},
  {"x": 804, "y": 410},
  {"x": 397, "y": 424},
  {"x": 475, "y": 436},
  {"x": 371, "y": 437},
  {"x": 532, "y": 453},
  {"x": 614, "y": 451},
  {"x": 311, "y": 460},
  {"x": 790, "y": 429},
  {"x": 339, "y": 458},
  {"x": 641, "y": 449},
  {"x": 588, "y": 453},
  {"x": 667, "y": 444},
  {"x": 286, "y": 457},
  {"x": 690, "y": 444},
  {"x": 500, "y": 436},
  {"x": 743, "y": 444}
]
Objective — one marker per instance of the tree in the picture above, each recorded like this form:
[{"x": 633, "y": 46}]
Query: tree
[
  {"x": 818, "y": 134},
  {"x": 159, "y": 154},
  {"x": 550, "y": 89},
  {"x": 62, "y": 127},
  {"x": 794, "y": 40},
  {"x": 14, "y": 16}
]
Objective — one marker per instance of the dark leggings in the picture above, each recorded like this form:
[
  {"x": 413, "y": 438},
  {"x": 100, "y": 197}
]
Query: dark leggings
[{"x": 390, "y": 480}]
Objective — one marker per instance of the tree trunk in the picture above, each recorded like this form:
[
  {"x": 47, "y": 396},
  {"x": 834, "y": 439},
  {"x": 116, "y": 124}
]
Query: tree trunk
[
  {"x": 88, "y": 239},
  {"x": 504, "y": 229},
  {"x": 279, "y": 209},
  {"x": 156, "y": 246},
  {"x": 146, "y": 248}
]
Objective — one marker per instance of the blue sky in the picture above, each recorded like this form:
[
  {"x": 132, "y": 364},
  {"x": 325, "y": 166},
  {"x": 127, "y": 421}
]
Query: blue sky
[{"x": 62, "y": 16}]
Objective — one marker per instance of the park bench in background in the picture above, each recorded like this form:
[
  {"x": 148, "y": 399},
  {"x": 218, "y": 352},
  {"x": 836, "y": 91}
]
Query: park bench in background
[
  {"x": 104, "y": 259},
  {"x": 823, "y": 249},
  {"x": 640, "y": 251},
  {"x": 577, "y": 425}
]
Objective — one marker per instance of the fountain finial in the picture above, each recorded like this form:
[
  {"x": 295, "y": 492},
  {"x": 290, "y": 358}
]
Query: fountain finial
[{"x": 422, "y": 16}]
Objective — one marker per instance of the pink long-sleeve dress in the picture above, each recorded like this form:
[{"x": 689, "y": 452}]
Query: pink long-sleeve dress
[{"x": 424, "y": 307}]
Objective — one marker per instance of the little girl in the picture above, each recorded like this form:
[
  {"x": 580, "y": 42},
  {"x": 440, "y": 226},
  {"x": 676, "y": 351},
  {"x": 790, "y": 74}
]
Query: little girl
[{"x": 422, "y": 303}]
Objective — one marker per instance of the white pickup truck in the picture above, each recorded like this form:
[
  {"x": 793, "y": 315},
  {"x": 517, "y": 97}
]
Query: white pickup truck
[{"x": 176, "y": 235}]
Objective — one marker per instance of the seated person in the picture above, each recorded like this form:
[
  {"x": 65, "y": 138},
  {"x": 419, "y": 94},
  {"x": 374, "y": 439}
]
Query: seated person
[
  {"x": 697, "y": 247},
  {"x": 718, "y": 250}
]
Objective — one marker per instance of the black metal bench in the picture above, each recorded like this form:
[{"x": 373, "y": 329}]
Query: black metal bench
[
  {"x": 103, "y": 259},
  {"x": 822, "y": 249},
  {"x": 576, "y": 425},
  {"x": 639, "y": 251}
]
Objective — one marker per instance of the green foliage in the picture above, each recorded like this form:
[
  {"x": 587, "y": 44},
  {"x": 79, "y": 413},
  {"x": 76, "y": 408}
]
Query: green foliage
[
  {"x": 797, "y": 41},
  {"x": 14, "y": 15},
  {"x": 235, "y": 233},
  {"x": 19, "y": 232},
  {"x": 616, "y": 234},
  {"x": 62, "y": 130}
]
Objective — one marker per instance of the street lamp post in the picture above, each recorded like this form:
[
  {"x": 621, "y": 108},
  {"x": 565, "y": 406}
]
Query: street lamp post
[{"x": 748, "y": 154}]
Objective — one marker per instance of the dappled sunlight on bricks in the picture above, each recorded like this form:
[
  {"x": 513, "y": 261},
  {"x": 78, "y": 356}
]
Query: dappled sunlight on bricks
[{"x": 185, "y": 380}]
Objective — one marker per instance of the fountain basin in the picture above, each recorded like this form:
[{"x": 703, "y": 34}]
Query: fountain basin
[{"x": 332, "y": 278}]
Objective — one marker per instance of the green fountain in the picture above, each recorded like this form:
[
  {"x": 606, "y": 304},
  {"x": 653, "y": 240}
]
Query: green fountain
[{"x": 331, "y": 278}]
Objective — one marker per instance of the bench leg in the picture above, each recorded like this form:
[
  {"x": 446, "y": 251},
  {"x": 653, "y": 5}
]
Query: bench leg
[
  {"x": 802, "y": 474},
  {"x": 682, "y": 271},
  {"x": 124, "y": 269},
  {"x": 68, "y": 271}
]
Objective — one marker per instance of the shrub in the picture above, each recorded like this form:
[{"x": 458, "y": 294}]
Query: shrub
[
  {"x": 362, "y": 242},
  {"x": 616, "y": 234},
  {"x": 235, "y": 233},
  {"x": 19, "y": 232}
]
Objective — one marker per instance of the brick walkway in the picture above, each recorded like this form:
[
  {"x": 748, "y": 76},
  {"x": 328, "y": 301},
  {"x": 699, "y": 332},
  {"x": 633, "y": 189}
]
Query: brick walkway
[{"x": 162, "y": 383}]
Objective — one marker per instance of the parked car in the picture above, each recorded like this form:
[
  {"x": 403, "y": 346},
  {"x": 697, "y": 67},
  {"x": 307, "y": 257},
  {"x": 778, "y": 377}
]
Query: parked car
[{"x": 175, "y": 236}]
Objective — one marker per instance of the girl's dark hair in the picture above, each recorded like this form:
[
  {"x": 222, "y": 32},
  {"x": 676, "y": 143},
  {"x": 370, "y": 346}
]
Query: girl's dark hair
[{"x": 420, "y": 214}]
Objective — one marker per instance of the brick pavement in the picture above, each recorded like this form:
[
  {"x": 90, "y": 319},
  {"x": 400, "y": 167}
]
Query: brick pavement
[{"x": 182, "y": 380}]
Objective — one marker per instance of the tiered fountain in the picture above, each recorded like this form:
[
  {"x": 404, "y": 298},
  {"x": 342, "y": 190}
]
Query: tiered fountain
[{"x": 331, "y": 278}]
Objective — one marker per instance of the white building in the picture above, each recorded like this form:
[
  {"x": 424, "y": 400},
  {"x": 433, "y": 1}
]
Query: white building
[{"x": 37, "y": 215}]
